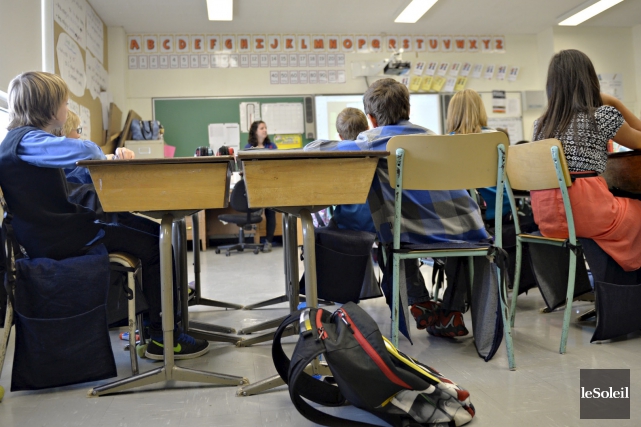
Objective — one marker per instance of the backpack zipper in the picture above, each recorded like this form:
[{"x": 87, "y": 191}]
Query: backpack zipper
[
  {"x": 322, "y": 334},
  {"x": 370, "y": 350}
]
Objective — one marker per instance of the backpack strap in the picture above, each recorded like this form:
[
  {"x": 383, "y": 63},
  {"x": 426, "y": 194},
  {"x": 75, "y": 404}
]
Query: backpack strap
[
  {"x": 302, "y": 385},
  {"x": 307, "y": 349}
]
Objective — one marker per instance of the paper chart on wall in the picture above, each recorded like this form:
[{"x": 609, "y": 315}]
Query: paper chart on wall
[
  {"x": 73, "y": 106},
  {"x": 71, "y": 64},
  {"x": 612, "y": 84},
  {"x": 224, "y": 134},
  {"x": 71, "y": 16},
  {"x": 249, "y": 113},
  {"x": 96, "y": 76},
  {"x": 85, "y": 121},
  {"x": 95, "y": 34},
  {"x": 514, "y": 126},
  {"x": 283, "y": 117}
]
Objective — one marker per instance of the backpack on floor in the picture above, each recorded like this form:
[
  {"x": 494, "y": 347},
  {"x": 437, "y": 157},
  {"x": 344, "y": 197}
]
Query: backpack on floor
[{"x": 368, "y": 372}]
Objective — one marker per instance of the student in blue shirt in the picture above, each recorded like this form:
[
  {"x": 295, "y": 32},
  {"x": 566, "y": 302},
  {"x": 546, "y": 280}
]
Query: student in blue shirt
[
  {"x": 434, "y": 216},
  {"x": 258, "y": 139},
  {"x": 45, "y": 223},
  {"x": 466, "y": 114}
]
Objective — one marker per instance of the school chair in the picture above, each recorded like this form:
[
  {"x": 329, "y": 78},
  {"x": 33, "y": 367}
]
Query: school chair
[
  {"x": 541, "y": 165},
  {"x": 119, "y": 261},
  {"x": 248, "y": 217},
  {"x": 429, "y": 162}
]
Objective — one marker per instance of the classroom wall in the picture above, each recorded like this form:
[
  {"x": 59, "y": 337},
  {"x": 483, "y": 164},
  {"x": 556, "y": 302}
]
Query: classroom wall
[
  {"x": 21, "y": 49},
  {"x": 118, "y": 68},
  {"x": 611, "y": 51},
  {"x": 636, "y": 43},
  {"x": 142, "y": 85}
]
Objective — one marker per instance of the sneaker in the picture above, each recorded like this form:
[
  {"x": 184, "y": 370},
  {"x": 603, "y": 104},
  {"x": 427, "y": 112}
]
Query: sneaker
[
  {"x": 267, "y": 247},
  {"x": 186, "y": 347},
  {"x": 449, "y": 325},
  {"x": 425, "y": 314}
]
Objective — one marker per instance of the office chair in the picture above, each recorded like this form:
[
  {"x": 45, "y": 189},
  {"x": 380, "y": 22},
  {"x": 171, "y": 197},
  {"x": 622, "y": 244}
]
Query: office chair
[{"x": 238, "y": 202}]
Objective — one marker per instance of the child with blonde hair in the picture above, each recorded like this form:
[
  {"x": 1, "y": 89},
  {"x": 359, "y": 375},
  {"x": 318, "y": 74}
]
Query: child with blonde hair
[{"x": 45, "y": 223}]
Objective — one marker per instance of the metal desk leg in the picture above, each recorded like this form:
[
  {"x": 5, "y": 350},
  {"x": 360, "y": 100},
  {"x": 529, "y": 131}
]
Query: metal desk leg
[
  {"x": 198, "y": 299},
  {"x": 292, "y": 286},
  {"x": 169, "y": 371},
  {"x": 207, "y": 332},
  {"x": 288, "y": 294},
  {"x": 312, "y": 298}
]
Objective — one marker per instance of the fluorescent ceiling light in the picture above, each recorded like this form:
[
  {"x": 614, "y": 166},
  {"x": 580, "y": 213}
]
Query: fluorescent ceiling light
[
  {"x": 220, "y": 10},
  {"x": 588, "y": 12},
  {"x": 414, "y": 11}
]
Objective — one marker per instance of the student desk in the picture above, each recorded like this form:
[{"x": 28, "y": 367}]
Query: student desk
[
  {"x": 623, "y": 170},
  {"x": 168, "y": 189},
  {"x": 298, "y": 183}
]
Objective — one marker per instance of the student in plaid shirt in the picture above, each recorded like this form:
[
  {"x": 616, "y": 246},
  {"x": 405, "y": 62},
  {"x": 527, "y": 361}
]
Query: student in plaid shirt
[{"x": 434, "y": 216}]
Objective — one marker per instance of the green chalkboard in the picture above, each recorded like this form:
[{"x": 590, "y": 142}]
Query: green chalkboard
[{"x": 186, "y": 120}]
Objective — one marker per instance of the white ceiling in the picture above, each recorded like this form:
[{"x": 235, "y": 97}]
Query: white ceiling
[{"x": 455, "y": 17}]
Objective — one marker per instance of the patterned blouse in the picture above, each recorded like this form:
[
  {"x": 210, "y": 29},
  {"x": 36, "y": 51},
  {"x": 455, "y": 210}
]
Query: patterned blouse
[{"x": 586, "y": 150}]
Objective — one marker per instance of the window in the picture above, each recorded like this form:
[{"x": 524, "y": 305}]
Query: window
[{"x": 4, "y": 115}]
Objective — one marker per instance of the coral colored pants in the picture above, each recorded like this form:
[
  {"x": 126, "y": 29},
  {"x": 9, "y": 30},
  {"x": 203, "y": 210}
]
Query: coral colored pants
[{"x": 613, "y": 222}]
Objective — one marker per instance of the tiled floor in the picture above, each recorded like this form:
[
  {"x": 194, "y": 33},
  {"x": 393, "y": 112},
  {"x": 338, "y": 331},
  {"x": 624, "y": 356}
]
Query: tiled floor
[{"x": 543, "y": 391}]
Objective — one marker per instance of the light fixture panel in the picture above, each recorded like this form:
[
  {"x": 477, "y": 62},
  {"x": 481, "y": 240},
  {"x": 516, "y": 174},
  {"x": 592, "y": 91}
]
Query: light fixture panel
[
  {"x": 220, "y": 10},
  {"x": 414, "y": 11},
  {"x": 586, "y": 12}
]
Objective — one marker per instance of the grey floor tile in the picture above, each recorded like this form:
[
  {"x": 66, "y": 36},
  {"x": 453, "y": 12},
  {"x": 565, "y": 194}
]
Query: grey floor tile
[{"x": 543, "y": 391}]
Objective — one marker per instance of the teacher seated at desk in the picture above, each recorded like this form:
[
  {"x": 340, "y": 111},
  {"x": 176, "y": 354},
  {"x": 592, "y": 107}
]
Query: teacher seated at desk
[{"x": 258, "y": 139}]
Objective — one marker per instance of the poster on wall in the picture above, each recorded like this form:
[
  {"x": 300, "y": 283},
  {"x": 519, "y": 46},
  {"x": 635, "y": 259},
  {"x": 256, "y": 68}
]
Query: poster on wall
[
  {"x": 85, "y": 121},
  {"x": 612, "y": 84},
  {"x": 71, "y": 16},
  {"x": 95, "y": 34},
  {"x": 249, "y": 113},
  {"x": 71, "y": 64},
  {"x": 284, "y": 117},
  {"x": 97, "y": 77}
]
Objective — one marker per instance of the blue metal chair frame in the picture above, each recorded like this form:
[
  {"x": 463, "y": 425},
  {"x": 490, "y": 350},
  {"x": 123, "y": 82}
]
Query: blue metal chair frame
[
  {"x": 453, "y": 156},
  {"x": 562, "y": 174}
]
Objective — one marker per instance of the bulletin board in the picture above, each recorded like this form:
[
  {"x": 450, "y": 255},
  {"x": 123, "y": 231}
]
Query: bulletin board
[
  {"x": 82, "y": 53},
  {"x": 511, "y": 119},
  {"x": 186, "y": 120}
]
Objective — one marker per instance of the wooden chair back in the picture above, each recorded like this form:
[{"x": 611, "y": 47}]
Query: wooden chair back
[
  {"x": 530, "y": 166},
  {"x": 446, "y": 162}
]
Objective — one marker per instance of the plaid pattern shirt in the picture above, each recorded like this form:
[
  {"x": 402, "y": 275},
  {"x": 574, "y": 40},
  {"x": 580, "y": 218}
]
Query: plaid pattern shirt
[{"x": 428, "y": 216}]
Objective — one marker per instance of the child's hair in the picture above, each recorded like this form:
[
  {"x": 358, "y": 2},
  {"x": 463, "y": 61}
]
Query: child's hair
[
  {"x": 34, "y": 98},
  {"x": 466, "y": 113},
  {"x": 73, "y": 122},
  {"x": 387, "y": 101},
  {"x": 252, "y": 140},
  {"x": 224, "y": 150},
  {"x": 572, "y": 87},
  {"x": 350, "y": 122}
]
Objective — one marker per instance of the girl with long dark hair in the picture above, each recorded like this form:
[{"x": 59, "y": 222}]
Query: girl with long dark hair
[{"x": 584, "y": 120}]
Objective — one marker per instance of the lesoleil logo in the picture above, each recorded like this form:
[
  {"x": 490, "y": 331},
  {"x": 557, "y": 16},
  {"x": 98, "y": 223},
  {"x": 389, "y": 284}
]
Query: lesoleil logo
[
  {"x": 597, "y": 393},
  {"x": 605, "y": 394}
]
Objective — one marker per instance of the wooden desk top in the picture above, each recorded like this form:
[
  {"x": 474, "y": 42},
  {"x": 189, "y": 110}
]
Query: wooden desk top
[
  {"x": 301, "y": 154},
  {"x": 161, "y": 185},
  {"x": 314, "y": 179},
  {"x": 624, "y": 171}
]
